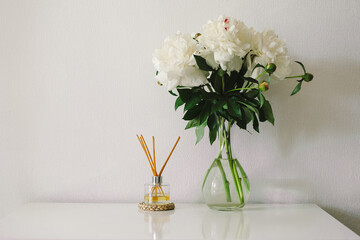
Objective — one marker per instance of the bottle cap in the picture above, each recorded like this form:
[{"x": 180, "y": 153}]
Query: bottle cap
[{"x": 156, "y": 179}]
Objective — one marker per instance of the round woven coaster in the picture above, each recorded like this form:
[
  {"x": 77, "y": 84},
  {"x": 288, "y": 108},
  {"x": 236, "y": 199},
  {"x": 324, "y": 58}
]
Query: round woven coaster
[{"x": 156, "y": 207}]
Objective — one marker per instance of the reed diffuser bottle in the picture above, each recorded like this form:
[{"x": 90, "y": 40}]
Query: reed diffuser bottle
[{"x": 157, "y": 191}]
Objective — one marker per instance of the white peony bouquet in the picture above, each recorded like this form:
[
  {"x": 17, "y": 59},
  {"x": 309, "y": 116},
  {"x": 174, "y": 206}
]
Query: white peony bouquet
[
  {"x": 222, "y": 72},
  {"x": 220, "y": 75}
]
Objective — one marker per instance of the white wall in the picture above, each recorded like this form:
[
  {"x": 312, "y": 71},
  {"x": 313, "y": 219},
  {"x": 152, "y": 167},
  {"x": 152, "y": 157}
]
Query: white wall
[{"x": 76, "y": 85}]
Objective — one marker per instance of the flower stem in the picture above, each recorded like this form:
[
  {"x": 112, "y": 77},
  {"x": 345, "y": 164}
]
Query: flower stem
[
  {"x": 224, "y": 137},
  {"x": 295, "y": 76},
  {"x": 260, "y": 74},
  {"x": 250, "y": 83},
  {"x": 223, "y": 83},
  {"x": 226, "y": 182},
  {"x": 218, "y": 162},
  {"x": 232, "y": 164},
  {"x": 207, "y": 174},
  {"x": 238, "y": 89}
]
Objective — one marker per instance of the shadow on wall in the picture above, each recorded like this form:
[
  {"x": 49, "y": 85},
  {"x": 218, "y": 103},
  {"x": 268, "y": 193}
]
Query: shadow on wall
[
  {"x": 326, "y": 137},
  {"x": 282, "y": 191},
  {"x": 331, "y": 100}
]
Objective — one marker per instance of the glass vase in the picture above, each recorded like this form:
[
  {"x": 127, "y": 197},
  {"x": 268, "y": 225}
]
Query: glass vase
[{"x": 225, "y": 186}]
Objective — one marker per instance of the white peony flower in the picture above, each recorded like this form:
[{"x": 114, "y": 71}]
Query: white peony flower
[
  {"x": 270, "y": 49},
  {"x": 224, "y": 42},
  {"x": 176, "y": 64}
]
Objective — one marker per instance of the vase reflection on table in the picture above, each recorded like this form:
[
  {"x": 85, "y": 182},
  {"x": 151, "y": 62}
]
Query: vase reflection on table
[
  {"x": 225, "y": 225},
  {"x": 225, "y": 185}
]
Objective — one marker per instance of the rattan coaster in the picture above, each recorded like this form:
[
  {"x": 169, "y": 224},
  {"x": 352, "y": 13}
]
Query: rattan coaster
[{"x": 156, "y": 207}]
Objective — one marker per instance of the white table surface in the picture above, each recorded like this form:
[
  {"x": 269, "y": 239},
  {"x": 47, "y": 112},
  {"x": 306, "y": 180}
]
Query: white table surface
[{"x": 187, "y": 221}]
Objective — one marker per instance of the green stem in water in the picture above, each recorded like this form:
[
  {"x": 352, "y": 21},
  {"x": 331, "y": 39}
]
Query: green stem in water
[
  {"x": 237, "y": 181},
  {"x": 226, "y": 182},
  {"x": 233, "y": 169},
  {"x": 207, "y": 174},
  {"x": 218, "y": 162},
  {"x": 224, "y": 137}
]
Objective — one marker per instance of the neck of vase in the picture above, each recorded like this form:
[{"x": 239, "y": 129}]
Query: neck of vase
[{"x": 224, "y": 138}]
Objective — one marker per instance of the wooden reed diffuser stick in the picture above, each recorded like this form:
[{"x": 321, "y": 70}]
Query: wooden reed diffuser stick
[
  {"x": 147, "y": 149},
  {"x": 152, "y": 160},
  {"x": 162, "y": 169},
  {"x": 153, "y": 138},
  {"x": 142, "y": 145}
]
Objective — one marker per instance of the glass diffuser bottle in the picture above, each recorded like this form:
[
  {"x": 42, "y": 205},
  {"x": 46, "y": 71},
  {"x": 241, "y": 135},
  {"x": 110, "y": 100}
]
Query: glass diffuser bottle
[{"x": 156, "y": 191}]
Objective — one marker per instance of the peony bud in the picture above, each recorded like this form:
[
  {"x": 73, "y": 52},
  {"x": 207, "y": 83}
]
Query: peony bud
[
  {"x": 270, "y": 68},
  {"x": 263, "y": 86},
  {"x": 308, "y": 77}
]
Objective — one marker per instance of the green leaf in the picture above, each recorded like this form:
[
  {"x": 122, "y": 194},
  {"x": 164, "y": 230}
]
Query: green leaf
[
  {"x": 178, "y": 103},
  {"x": 208, "y": 95},
  {"x": 261, "y": 99},
  {"x": 185, "y": 94},
  {"x": 255, "y": 123},
  {"x": 241, "y": 122},
  {"x": 172, "y": 93},
  {"x": 205, "y": 112},
  {"x": 213, "y": 125},
  {"x": 192, "y": 102},
  {"x": 218, "y": 83},
  {"x": 211, "y": 121},
  {"x": 302, "y": 66},
  {"x": 245, "y": 100},
  {"x": 296, "y": 89},
  {"x": 236, "y": 78},
  {"x": 250, "y": 79},
  {"x": 193, "y": 123},
  {"x": 234, "y": 109},
  {"x": 224, "y": 114},
  {"x": 244, "y": 176},
  {"x": 213, "y": 133},
  {"x": 202, "y": 64},
  {"x": 249, "y": 106},
  {"x": 257, "y": 66},
  {"x": 252, "y": 93},
  {"x": 230, "y": 82},
  {"x": 262, "y": 116},
  {"x": 217, "y": 106},
  {"x": 244, "y": 66},
  {"x": 248, "y": 115},
  {"x": 267, "y": 111},
  {"x": 193, "y": 112},
  {"x": 199, "y": 131}
]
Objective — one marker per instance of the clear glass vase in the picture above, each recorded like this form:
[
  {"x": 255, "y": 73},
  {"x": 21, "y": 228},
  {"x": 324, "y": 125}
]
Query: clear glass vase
[{"x": 226, "y": 186}]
